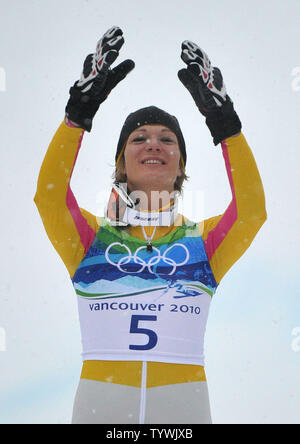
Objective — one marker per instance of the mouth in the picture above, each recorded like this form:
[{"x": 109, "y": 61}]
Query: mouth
[{"x": 153, "y": 162}]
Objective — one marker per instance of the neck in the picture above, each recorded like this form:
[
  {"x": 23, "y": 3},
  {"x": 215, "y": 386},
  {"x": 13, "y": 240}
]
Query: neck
[{"x": 152, "y": 200}]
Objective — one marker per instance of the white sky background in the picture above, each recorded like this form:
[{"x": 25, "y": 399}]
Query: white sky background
[{"x": 252, "y": 368}]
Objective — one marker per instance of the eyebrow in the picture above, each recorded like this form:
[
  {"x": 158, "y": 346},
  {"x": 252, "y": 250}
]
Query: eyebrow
[{"x": 143, "y": 129}]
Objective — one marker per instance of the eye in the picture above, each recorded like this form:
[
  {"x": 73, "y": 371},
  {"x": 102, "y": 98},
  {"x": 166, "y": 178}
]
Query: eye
[
  {"x": 167, "y": 139},
  {"x": 139, "y": 139}
]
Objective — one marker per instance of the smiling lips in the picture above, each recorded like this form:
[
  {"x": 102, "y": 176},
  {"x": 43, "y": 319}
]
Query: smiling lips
[{"x": 153, "y": 161}]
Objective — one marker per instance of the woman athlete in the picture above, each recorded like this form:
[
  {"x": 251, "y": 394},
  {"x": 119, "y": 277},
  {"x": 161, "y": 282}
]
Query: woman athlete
[{"x": 144, "y": 275}]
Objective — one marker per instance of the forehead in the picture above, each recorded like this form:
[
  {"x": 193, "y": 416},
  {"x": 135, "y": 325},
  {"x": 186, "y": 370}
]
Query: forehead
[{"x": 152, "y": 129}]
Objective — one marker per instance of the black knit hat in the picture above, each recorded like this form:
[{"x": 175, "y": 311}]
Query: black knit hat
[{"x": 149, "y": 116}]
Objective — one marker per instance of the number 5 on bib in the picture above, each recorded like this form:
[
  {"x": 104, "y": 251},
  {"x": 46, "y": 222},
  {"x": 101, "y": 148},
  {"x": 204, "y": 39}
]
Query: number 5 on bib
[{"x": 134, "y": 328}]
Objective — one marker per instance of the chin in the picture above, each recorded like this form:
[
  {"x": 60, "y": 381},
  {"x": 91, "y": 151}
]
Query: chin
[{"x": 155, "y": 182}]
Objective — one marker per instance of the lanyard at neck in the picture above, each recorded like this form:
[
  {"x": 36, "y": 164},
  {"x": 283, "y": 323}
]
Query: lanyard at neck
[
  {"x": 149, "y": 239},
  {"x": 122, "y": 211}
]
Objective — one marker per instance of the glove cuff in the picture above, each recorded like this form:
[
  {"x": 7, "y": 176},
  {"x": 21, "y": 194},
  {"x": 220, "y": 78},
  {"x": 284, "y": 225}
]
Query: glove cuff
[
  {"x": 82, "y": 107},
  {"x": 77, "y": 109},
  {"x": 223, "y": 122}
]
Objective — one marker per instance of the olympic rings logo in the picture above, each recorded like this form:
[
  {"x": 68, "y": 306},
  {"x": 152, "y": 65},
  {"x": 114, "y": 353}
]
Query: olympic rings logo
[{"x": 152, "y": 262}]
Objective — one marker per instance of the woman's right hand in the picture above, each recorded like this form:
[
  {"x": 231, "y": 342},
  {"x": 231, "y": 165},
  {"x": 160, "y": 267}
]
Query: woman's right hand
[{"x": 97, "y": 79}]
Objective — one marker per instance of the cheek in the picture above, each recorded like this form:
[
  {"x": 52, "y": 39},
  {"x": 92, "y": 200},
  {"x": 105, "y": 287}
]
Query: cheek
[
  {"x": 174, "y": 159},
  {"x": 130, "y": 161},
  {"x": 127, "y": 159},
  {"x": 174, "y": 152}
]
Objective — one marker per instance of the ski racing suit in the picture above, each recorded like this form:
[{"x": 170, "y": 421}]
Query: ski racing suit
[{"x": 143, "y": 314}]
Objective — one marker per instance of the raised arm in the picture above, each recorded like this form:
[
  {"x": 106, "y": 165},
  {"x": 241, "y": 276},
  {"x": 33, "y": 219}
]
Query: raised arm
[
  {"x": 229, "y": 235},
  {"x": 71, "y": 229}
]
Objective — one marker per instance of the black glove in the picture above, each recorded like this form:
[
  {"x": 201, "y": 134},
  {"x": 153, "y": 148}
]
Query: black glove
[
  {"x": 205, "y": 83},
  {"x": 97, "y": 79}
]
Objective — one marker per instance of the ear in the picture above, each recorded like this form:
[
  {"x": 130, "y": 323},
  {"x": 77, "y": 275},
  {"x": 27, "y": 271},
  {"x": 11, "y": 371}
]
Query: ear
[
  {"x": 121, "y": 161},
  {"x": 179, "y": 171},
  {"x": 122, "y": 165}
]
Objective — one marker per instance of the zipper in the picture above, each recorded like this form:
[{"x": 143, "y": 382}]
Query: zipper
[{"x": 143, "y": 393}]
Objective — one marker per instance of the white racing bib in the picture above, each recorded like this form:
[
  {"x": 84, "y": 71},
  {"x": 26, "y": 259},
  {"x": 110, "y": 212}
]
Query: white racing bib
[
  {"x": 151, "y": 326},
  {"x": 143, "y": 306}
]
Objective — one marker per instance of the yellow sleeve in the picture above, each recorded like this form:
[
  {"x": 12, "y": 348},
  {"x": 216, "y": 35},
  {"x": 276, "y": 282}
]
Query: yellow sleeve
[
  {"x": 228, "y": 236},
  {"x": 70, "y": 229}
]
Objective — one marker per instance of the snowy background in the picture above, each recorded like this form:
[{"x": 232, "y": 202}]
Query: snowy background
[{"x": 253, "y": 334}]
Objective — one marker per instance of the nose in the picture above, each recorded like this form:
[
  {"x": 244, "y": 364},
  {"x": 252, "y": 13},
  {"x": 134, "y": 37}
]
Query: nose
[{"x": 153, "y": 144}]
